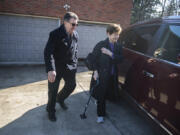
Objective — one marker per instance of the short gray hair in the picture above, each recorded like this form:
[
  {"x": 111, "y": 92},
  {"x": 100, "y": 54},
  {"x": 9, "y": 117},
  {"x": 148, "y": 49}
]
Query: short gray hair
[{"x": 70, "y": 15}]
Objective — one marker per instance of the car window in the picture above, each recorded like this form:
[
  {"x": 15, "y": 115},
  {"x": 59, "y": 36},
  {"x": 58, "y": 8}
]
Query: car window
[
  {"x": 169, "y": 48},
  {"x": 138, "y": 38}
]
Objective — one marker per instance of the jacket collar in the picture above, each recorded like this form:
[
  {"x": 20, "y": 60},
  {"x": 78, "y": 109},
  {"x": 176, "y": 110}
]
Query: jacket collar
[
  {"x": 63, "y": 32},
  {"x": 106, "y": 43}
]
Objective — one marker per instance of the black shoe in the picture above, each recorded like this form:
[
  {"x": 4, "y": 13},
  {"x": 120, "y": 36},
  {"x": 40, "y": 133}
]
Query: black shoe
[
  {"x": 52, "y": 116},
  {"x": 47, "y": 109},
  {"x": 63, "y": 105}
]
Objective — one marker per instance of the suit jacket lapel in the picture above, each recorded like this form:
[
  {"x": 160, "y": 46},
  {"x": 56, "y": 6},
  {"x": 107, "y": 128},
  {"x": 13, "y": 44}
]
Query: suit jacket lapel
[{"x": 106, "y": 44}]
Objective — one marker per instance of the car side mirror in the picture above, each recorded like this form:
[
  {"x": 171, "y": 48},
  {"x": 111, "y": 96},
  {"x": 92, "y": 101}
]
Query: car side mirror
[
  {"x": 159, "y": 52},
  {"x": 133, "y": 44}
]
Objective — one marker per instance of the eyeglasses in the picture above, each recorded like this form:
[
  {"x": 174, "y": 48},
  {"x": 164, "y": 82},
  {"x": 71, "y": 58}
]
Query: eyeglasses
[{"x": 74, "y": 24}]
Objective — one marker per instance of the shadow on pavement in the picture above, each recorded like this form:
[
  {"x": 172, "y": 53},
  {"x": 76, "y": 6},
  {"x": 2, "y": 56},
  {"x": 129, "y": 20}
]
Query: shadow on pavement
[
  {"x": 23, "y": 112},
  {"x": 121, "y": 120},
  {"x": 12, "y": 76},
  {"x": 35, "y": 122}
]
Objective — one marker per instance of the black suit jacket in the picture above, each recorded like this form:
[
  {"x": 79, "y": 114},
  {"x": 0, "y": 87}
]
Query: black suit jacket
[{"x": 60, "y": 50}]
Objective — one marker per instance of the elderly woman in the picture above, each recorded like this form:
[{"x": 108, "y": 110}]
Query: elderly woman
[{"x": 107, "y": 54}]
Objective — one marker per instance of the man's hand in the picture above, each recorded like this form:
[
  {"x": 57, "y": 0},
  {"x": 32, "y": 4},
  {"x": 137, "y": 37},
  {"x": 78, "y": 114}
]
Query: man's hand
[
  {"x": 51, "y": 76},
  {"x": 106, "y": 51},
  {"x": 95, "y": 76}
]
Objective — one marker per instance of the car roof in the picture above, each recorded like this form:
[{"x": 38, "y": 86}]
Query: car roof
[
  {"x": 172, "y": 19},
  {"x": 168, "y": 19}
]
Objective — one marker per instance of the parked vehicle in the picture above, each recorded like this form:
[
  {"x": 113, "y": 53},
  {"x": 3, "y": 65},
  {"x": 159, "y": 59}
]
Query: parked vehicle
[{"x": 150, "y": 73}]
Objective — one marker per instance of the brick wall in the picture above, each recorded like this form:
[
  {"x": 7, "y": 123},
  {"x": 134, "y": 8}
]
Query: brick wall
[{"x": 111, "y": 11}]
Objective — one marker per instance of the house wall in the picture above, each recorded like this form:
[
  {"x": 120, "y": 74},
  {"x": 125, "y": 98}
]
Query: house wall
[
  {"x": 25, "y": 25},
  {"x": 112, "y": 11}
]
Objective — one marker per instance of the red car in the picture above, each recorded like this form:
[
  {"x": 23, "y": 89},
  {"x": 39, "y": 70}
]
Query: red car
[{"x": 150, "y": 73}]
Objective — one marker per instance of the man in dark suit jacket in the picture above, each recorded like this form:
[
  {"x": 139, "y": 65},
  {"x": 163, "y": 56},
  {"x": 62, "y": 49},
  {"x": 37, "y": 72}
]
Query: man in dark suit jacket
[{"x": 60, "y": 55}]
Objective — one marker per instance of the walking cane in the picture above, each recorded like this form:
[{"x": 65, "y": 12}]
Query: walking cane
[{"x": 83, "y": 115}]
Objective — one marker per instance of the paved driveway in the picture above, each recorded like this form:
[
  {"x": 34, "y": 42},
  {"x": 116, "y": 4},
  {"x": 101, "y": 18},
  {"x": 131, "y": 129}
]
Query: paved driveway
[{"x": 23, "y": 97}]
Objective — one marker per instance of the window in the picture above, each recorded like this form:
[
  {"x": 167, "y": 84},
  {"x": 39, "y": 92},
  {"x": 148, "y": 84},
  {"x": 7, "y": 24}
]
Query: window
[
  {"x": 170, "y": 46},
  {"x": 138, "y": 39}
]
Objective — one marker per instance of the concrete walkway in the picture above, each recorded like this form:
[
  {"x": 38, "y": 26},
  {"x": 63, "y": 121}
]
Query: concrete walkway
[{"x": 23, "y": 98}]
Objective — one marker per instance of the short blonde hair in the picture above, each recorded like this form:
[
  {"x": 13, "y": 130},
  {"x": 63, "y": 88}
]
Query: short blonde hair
[{"x": 113, "y": 28}]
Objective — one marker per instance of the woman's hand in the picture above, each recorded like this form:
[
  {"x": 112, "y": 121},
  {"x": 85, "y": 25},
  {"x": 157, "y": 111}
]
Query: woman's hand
[
  {"x": 95, "y": 76},
  {"x": 106, "y": 51},
  {"x": 51, "y": 76}
]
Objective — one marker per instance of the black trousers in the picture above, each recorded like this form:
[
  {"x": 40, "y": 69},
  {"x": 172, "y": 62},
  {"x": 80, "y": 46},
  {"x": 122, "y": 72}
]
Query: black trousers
[
  {"x": 101, "y": 108},
  {"x": 69, "y": 77},
  {"x": 101, "y": 104}
]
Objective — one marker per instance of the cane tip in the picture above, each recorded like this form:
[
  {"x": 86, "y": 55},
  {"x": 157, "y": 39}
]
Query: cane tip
[{"x": 83, "y": 116}]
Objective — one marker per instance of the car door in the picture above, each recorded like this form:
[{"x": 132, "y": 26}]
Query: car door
[
  {"x": 136, "y": 42},
  {"x": 163, "y": 100}
]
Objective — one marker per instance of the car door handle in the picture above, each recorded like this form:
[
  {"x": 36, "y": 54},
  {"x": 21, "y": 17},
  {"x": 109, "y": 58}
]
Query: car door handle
[{"x": 148, "y": 74}]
